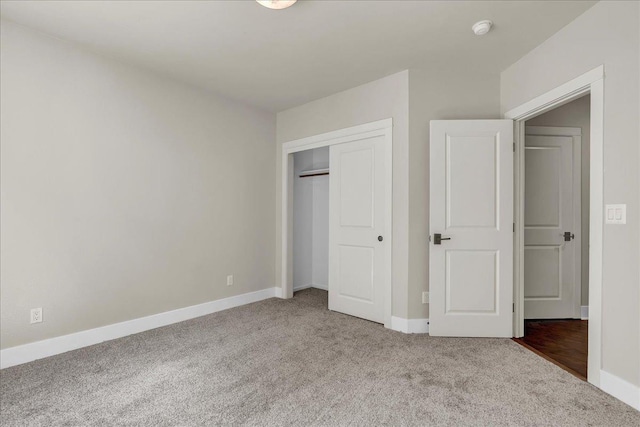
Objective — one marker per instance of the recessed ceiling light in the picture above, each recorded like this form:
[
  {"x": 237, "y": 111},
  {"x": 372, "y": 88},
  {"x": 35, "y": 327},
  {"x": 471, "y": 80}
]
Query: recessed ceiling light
[
  {"x": 276, "y": 4},
  {"x": 482, "y": 27}
]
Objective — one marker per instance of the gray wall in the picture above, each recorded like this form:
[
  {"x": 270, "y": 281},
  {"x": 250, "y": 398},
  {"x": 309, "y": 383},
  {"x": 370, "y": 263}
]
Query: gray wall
[
  {"x": 124, "y": 194},
  {"x": 608, "y": 34},
  {"x": 576, "y": 114}
]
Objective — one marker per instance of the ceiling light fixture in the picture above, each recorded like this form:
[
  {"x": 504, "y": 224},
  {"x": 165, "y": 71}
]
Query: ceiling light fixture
[
  {"x": 482, "y": 27},
  {"x": 276, "y": 4}
]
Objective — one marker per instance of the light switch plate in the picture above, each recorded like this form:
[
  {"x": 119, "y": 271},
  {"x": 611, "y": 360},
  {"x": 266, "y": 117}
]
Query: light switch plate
[{"x": 615, "y": 214}]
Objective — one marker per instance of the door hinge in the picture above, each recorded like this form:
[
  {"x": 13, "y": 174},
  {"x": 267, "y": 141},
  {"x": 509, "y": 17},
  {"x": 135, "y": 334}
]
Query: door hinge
[
  {"x": 514, "y": 227},
  {"x": 514, "y": 147},
  {"x": 513, "y": 307}
]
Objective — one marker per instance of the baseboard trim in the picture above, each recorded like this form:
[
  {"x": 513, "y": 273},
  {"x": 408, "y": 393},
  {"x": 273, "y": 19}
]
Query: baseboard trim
[
  {"x": 410, "y": 326},
  {"x": 40, "y": 349},
  {"x": 584, "y": 312},
  {"x": 620, "y": 389},
  {"x": 302, "y": 287}
]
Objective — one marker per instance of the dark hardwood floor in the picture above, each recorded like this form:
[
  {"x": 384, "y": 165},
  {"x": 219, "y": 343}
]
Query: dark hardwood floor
[{"x": 563, "y": 342}]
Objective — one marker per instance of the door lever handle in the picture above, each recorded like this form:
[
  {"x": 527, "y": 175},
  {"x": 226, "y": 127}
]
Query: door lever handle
[
  {"x": 437, "y": 238},
  {"x": 568, "y": 236}
]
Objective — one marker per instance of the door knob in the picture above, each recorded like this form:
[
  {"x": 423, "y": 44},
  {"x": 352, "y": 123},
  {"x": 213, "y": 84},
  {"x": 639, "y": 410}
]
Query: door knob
[
  {"x": 380, "y": 239},
  {"x": 437, "y": 238},
  {"x": 568, "y": 236}
]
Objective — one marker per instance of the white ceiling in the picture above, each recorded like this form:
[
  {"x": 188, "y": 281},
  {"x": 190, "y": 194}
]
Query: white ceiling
[{"x": 279, "y": 59}]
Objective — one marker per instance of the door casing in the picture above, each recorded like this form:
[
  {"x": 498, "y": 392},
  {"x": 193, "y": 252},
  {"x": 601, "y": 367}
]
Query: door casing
[
  {"x": 378, "y": 128},
  {"x": 591, "y": 82}
]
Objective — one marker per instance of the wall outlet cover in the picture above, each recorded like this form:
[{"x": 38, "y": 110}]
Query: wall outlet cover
[
  {"x": 36, "y": 315},
  {"x": 425, "y": 297},
  {"x": 230, "y": 280}
]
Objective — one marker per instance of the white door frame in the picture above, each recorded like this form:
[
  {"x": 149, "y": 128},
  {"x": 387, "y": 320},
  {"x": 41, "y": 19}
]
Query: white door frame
[
  {"x": 576, "y": 154},
  {"x": 591, "y": 82},
  {"x": 367, "y": 130}
]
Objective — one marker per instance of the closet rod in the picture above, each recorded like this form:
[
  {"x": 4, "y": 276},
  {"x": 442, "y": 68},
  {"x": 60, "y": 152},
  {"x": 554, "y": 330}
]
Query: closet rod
[{"x": 314, "y": 172}]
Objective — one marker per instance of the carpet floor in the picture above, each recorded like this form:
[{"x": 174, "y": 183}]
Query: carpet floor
[{"x": 293, "y": 362}]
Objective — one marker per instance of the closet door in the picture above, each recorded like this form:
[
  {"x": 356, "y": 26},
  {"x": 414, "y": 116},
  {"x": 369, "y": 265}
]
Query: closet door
[{"x": 359, "y": 259}]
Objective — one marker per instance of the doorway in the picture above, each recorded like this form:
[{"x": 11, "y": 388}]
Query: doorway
[
  {"x": 359, "y": 218},
  {"x": 556, "y": 235},
  {"x": 590, "y": 83}
]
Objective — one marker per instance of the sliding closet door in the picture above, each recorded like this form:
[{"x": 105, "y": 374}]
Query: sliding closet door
[{"x": 359, "y": 259}]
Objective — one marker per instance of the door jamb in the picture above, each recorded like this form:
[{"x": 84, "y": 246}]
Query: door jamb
[
  {"x": 368, "y": 130},
  {"x": 590, "y": 82},
  {"x": 576, "y": 151}
]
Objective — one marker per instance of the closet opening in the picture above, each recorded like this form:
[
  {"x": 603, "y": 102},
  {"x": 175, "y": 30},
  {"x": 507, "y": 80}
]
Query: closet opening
[{"x": 311, "y": 224}]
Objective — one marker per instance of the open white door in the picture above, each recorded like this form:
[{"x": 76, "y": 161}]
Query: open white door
[
  {"x": 359, "y": 255},
  {"x": 471, "y": 228}
]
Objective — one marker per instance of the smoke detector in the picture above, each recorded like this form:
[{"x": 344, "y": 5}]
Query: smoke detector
[
  {"x": 276, "y": 4},
  {"x": 481, "y": 28}
]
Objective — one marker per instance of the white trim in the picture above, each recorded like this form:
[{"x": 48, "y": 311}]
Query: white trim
[
  {"x": 367, "y": 130},
  {"x": 37, "y": 350},
  {"x": 553, "y": 131},
  {"x": 596, "y": 222},
  {"x": 556, "y": 97},
  {"x": 303, "y": 287},
  {"x": 591, "y": 82},
  {"x": 410, "y": 326},
  {"x": 620, "y": 389},
  {"x": 321, "y": 140},
  {"x": 584, "y": 312}
]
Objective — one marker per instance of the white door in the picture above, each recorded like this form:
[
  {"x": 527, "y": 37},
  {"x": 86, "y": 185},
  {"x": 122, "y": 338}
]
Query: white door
[
  {"x": 551, "y": 209},
  {"x": 359, "y": 259},
  {"x": 471, "y": 228}
]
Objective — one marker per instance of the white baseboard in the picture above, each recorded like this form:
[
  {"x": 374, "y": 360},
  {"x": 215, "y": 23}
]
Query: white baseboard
[
  {"x": 584, "y": 312},
  {"x": 37, "y": 350},
  {"x": 620, "y": 389},
  {"x": 410, "y": 326},
  {"x": 278, "y": 292},
  {"x": 301, "y": 287}
]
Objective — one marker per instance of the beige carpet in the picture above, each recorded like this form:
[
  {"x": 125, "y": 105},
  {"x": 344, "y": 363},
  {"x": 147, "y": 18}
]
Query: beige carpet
[{"x": 293, "y": 362}]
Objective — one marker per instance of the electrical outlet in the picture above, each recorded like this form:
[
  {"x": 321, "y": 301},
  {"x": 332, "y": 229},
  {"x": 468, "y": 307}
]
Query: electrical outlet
[
  {"x": 36, "y": 315},
  {"x": 425, "y": 297},
  {"x": 230, "y": 280}
]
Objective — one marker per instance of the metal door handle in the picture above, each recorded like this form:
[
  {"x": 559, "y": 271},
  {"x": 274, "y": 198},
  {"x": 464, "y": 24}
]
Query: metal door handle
[
  {"x": 568, "y": 236},
  {"x": 437, "y": 238},
  {"x": 380, "y": 239}
]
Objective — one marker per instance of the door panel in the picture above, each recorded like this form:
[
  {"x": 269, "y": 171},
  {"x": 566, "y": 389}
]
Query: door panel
[
  {"x": 358, "y": 261},
  {"x": 471, "y": 191},
  {"x": 542, "y": 272},
  {"x": 550, "y": 210},
  {"x": 471, "y": 203},
  {"x": 356, "y": 187},
  {"x": 479, "y": 267},
  {"x": 354, "y": 273}
]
